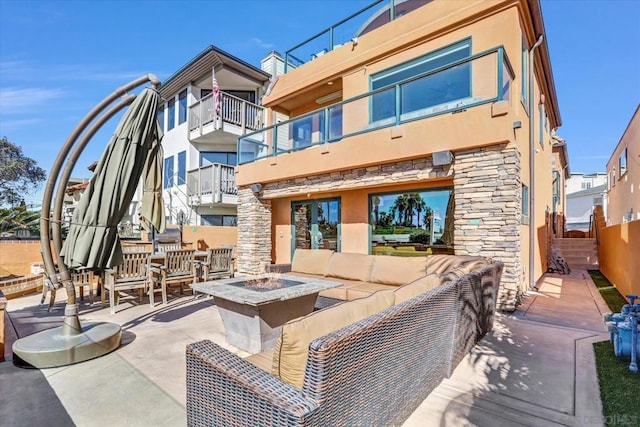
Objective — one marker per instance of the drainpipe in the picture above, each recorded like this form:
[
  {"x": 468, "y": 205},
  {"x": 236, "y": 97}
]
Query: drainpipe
[{"x": 532, "y": 154}]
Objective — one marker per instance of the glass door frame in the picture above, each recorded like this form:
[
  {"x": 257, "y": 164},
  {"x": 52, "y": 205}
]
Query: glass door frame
[{"x": 314, "y": 221}]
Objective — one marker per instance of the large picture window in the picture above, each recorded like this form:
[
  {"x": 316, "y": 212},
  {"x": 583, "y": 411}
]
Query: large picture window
[
  {"x": 451, "y": 84},
  {"x": 222, "y": 157},
  {"x": 412, "y": 223},
  {"x": 219, "y": 220}
]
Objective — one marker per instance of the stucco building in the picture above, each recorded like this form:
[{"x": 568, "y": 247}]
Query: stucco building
[
  {"x": 418, "y": 126},
  {"x": 623, "y": 170}
]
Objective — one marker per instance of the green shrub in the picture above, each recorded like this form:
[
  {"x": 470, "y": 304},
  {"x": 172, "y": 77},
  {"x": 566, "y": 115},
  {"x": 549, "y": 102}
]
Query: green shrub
[{"x": 420, "y": 236}]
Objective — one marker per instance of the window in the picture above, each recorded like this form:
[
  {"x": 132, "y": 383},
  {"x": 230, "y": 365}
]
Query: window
[
  {"x": 586, "y": 185},
  {"x": 445, "y": 86},
  {"x": 182, "y": 167},
  {"x": 171, "y": 116},
  {"x": 524, "y": 84},
  {"x": 612, "y": 178},
  {"x": 225, "y": 158},
  {"x": 542, "y": 114},
  {"x": 247, "y": 95},
  {"x": 182, "y": 107},
  {"x": 168, "y": 172},
  {"x": 525, "y": 205},
  {"x": 413, "y": 220},
  {"x": 622, "y": 162},
  {"x": 161, "y": 116},
  {"x": 219, "y": 220}
]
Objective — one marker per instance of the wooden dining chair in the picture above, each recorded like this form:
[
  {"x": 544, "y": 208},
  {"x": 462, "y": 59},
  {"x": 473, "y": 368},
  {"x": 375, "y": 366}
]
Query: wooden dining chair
[
  {"x": 177, "y": 270},
  {"x": 219, "y": 264},
  {"x": 132, "y": 274}
]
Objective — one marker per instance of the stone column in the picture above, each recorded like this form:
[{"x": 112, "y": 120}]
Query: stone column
[
  {"x": 487, "y": 191},
  {"x": 254, "y": 232}
]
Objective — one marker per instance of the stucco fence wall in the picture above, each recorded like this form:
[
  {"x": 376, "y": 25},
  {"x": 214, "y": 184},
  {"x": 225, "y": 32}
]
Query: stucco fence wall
[
  {"x": 16, "y": 256},
  {"x": 618, "y": 254}
]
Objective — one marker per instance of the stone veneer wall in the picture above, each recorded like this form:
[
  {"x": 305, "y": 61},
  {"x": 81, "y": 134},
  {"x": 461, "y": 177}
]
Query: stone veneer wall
[
  {"x": 254, "y": 232},
  {"x": 488, "y": 193}
]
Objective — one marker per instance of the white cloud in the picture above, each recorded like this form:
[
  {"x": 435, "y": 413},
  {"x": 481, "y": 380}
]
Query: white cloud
[
  {"x": 261, "y": 43},
  {"x": 13, "y": 100}
]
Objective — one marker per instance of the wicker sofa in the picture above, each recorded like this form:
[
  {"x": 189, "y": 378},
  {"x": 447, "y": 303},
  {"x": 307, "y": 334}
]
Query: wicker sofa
[{"x": 365, "y": 361}]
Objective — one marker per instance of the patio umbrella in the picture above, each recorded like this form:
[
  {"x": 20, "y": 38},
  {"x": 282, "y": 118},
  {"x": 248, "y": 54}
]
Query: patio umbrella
[
  {"x": 92, "y": 241},
  {"x": 152, "y": 209}
]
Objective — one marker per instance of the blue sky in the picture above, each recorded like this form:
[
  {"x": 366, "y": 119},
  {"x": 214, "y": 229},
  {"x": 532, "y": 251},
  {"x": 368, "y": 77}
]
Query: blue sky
[{"x": 58, "y": 59}]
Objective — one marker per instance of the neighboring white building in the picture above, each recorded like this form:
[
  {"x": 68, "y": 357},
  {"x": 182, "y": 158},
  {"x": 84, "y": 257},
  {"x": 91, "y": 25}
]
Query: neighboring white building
[
  {"x": 201, "y": 124},
  {"x": 583, "y": 192}
]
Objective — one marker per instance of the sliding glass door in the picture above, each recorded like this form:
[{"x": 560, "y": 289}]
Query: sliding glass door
[{"x": 316, "y": 224}]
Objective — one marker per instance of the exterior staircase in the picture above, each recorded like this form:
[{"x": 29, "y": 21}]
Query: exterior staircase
[{"x": 580, "y": 254}]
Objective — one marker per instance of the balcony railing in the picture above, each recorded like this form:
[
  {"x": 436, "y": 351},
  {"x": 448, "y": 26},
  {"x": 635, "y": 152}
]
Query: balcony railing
[
  {"x": 233, "y": 110},
  {"x": 212, "y": 182},
  {"x": 355, "y": 25},
  {"x": 482, "y": 78}
]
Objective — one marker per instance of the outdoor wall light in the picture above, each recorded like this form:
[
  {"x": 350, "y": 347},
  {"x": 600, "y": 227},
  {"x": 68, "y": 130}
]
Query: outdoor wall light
[{"x": 255, "y": 188}]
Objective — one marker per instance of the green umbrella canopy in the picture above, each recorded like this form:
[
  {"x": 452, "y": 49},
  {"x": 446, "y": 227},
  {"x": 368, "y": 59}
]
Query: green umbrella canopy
[{"x": 134, "y": 150}]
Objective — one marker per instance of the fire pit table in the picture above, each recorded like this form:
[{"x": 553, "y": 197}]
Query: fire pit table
[{"x": 254, "y": 308}]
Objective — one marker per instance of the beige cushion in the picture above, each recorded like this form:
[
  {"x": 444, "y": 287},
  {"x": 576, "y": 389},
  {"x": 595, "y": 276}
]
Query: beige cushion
[
  {"x": 350, "y": 266},
  {"x": 263, "y": 360},
  {"x": 417, "y": 287},
  {"x": 442, "y": 263},
  {"x": 364, "y": 289},
  {"x": 291, "y": 349},
  {"x": 393, "y": 270},
  {"x": 312, "y": 261}
]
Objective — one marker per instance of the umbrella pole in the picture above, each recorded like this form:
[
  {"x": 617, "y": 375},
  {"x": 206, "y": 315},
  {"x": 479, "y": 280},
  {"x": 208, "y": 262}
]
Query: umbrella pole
[{"x": 69, "y": 343}]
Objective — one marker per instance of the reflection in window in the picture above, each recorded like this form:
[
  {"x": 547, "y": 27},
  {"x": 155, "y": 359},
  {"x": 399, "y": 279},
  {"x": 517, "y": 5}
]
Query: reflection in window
[
  {"x": 622, "y": 162},
  {"x": 225, "y": 158},
  {"x": 445, "y": 86},
  {"x": 168, "y": 172},
  {"x": 412, "y": 223},
  {"x": 171, "y": 116},
  {"x": 182, "y": 104}
]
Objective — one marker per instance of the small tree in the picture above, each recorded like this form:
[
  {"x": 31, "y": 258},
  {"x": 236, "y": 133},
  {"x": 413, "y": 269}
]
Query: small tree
[{"x": 19, "y": 175}]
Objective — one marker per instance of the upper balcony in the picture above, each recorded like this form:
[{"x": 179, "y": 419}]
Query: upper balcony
[
  {"x": 461, "y": 85},
  {"x": 377, "y": 14},
  {"x": 230, "y": 115}
]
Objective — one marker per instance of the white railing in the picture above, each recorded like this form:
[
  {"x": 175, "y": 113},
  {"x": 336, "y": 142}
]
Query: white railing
[
  {"x": 212, "y": 180},
  {"x": 233, "y": 110}
]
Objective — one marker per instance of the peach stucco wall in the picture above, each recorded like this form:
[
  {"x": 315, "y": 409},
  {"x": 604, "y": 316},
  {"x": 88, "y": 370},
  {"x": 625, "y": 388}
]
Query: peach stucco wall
[
  {"x": 440, "y": 23},
  {"x": 624, "y": 191},
  {"x": 618, "y": 256},
  {"x": 16, "y": 256}
]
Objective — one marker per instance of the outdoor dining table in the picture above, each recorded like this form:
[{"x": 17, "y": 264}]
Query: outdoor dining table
[{"x": 158, "y": 258}]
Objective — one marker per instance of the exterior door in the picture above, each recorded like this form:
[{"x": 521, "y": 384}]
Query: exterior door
[{"x": 316, "y": 224}]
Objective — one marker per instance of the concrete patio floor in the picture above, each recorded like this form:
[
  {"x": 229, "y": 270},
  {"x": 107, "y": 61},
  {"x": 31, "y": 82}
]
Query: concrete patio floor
[{"x": 536, "y": 368}]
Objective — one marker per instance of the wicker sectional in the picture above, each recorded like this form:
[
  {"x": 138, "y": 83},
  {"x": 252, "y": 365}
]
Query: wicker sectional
[{"x": 375, "y": 371}]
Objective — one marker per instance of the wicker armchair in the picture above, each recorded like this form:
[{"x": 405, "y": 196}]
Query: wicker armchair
[{"x": 373, "y": 372}]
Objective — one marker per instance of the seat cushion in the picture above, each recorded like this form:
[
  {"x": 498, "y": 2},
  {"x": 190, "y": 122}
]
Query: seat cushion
[
  {"x": 341, "y": 291},
  {"x": 262, "y": 360},
  {"x": 439, "y": 264},
  {"x": 344, "y": 265},
  {"x": 417, "y": 287},
  {"x": 311, "y": 261},
  {"x": 364, "y": 289},
  {"x": 393, "y": 270},
  {"x": 292, "y": 348}
]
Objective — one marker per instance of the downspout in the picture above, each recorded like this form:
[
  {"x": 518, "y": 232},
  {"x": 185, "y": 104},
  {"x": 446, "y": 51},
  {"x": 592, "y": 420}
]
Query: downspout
[{"x": 532, "y": 181}]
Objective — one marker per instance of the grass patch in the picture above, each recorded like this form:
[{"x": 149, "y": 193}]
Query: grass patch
[
  {"x": 619, "y": 387},
  {"x": 612, "y": 297}
]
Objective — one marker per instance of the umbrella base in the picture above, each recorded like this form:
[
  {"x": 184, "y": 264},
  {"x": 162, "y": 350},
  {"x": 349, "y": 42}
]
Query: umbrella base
[{"x": 51, "y": 348}]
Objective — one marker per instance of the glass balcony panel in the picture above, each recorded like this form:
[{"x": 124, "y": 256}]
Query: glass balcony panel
[
  {"x": 254, "y": 146},
  {"x": 305, "y": 131},
  {"x": 335, "y": 123}
]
